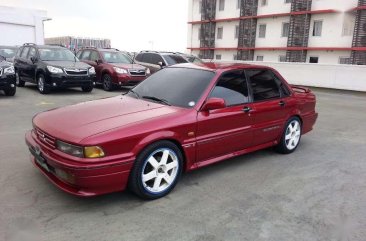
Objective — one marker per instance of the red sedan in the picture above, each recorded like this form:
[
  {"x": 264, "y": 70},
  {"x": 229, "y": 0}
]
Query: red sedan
[{"x": 181, "y": 118}]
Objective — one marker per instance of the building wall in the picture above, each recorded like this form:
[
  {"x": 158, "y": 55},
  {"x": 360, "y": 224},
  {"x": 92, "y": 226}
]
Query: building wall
[
  {"x": 19, "y": 26},
  {"x": 337, "y": 29}
]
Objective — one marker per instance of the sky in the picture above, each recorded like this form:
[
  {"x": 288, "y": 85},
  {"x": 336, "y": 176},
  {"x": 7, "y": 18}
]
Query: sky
[{"x": 132, "y": 25}]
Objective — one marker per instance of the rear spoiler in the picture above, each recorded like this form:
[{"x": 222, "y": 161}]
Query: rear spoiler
[{"x": 300, "y": 89}]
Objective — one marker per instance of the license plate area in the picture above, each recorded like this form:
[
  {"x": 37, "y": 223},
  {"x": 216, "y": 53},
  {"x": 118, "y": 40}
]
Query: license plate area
[{"x": 39, "y": 159}]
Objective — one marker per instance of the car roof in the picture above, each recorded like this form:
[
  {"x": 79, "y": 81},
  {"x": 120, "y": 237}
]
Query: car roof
[
  {"x": 9, "y": 47},
  {"x": 212, "y": 66}
]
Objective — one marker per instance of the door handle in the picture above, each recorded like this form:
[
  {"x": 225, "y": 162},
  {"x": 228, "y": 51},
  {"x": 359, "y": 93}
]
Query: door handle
[
  {"x": 247, "y": 109},
  {"x": 282, "y": 103}
]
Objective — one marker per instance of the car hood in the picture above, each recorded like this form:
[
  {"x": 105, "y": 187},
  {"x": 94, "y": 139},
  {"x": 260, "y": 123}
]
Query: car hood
[
  {"x": 77, "y": 122},
  {"x": 68, "y": 64},
  {"x": 128, "y": 66},
  {"x": 5, "y": 64}
]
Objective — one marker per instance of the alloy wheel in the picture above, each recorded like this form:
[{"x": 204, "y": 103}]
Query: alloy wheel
[
  {"x": 40, "y": 84},
  {"x": 160, "y": 170},
  {"x": 293, "y": 133}
]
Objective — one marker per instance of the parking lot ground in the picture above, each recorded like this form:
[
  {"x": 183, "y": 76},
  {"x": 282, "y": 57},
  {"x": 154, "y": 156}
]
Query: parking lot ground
[{"x": 316, "y": 193}]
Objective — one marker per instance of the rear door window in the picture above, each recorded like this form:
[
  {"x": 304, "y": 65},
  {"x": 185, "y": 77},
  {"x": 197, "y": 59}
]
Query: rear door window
[
  {"x": 232, "y": 87},
  {"x": 264, "y": 85}
]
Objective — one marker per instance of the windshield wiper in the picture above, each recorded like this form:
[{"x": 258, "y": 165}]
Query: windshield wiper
[
  {"x": 132, "y": 91},
  {"x": 156, "y": 99}
]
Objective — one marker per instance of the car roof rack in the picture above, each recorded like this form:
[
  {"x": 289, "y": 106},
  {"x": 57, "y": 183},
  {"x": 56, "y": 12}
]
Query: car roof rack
[
  {"x": 29, "y": 44},
  {"x": 111, "y": 48},
  {"x": 58, "y": 45}
]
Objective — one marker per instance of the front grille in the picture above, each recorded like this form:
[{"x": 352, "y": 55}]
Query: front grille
[
  {"x": 45, "y": 138},
  {"x": 76, "y": 72},
  {"x": 137, "y": 72}
]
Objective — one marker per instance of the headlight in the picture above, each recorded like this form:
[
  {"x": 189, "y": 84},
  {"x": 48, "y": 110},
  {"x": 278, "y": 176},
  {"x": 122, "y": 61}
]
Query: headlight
[
  {"x": 93, "y": 152},
  {"x": 55, "y": 70},
  {"x": 70, "y": 149},
  {"x": 120, "y": 71},
  {"x": 92, "y": 70},
  {"x": 147, "y": 71},
  {"x": 9, "y": 70}
]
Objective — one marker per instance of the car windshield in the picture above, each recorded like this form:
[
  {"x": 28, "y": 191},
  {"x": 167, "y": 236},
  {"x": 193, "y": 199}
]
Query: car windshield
[
  {"x": 172, "y": 59},
  {"x": 8, "y": 52},
  {"x": 174, "y": 86},
  {"x": 116, "y": 57},
  {"x": 56, "y": 54}
]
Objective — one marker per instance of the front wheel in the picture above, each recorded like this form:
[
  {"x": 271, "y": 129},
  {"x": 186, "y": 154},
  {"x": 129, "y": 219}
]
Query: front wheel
[
  {"x": 87, "y": 88},
  {"x": 10, "y": 92},
  {"x": 290, "y": 137},
  {"x": 156, "y": 170},
  {"x": 41, "y": 85},
  {"x": 107, "y": 82},
  {"x": 18, "y": 81}
]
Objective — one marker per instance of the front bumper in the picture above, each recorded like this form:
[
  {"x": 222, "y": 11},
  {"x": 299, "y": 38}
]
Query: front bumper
[
  {"x": 127, "y": 80},
  {"x": 67, "y": 81},
  {"x": 7, "y": 82},
  {"x": 78, "y": 178}
]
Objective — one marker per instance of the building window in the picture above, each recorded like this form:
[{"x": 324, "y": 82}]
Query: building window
[
  {"x": 221, "y": 5},
  {"x": 287, "y": 1},
  {"x": 238, "y": 4},
  {"x": 236, "y": 31},
  {"x": 264, "y": 2},
  {"x": 199, "y": 33},
  {"x": 314, "y": 60},
  {"x": 345, "y": 60},
  {"x": 218, "y": 56},
  {"x": 235, "y": 57},
  {"x": 282, "y": 58},
  {"x": 317, "y": 28},
  {"x": 220, "y": 32},
  {"x": 260, "y": 58},
  {"x": 262, "y": 31},
  {"x": 347, "y": 28},
  {"x": 285, "y": 29}
]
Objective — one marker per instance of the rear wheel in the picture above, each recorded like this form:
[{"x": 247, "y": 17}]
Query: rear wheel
[
  {"x": 10, "y": 92},
  {"x": 18, "y": 81},
  {"x": 41, "y": 85},
  {"x": 157, "y": 170},
  {"x": 107, "y": 82},
  {"x": 291, "y": 136},
  {"x": 87, "y": 88}
]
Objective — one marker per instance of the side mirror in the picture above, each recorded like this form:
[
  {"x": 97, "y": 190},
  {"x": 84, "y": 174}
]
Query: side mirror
[
  {"x": 98, "y": 61},
  {"x": 161, "y": 64},
  {"x": 2, "y": 58},
  {"x": 214, "y": 104},
  {"x": 34, "y": 59}
]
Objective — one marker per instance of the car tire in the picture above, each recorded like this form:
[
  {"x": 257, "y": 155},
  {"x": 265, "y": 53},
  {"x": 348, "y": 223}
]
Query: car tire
[
  {"x": 156, "y": 171},
  {"x": 10, "y": 92},
  {"x": 107, "y": 82},
  {"x": 87, "y": 88},
  {"x": 19, "y": 82},
  {"x": 41, "y": 85},
  {"x": 291, "y": 136}
]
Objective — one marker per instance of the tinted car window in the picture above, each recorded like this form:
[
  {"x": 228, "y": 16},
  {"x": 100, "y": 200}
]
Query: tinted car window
[
  {"x": 172, "y": 59},
  {"x": 139, "y": 57},
  {"x": 232, "y": 87},
  {"x": 178, "y": 86},
  {"x": 156, "y": 59},
  {"x": 264, "y": 85},
  {"x": 147, "y": 58},
  {"x": 8, "y": 52},
  {"x": 56, "y": 54},
  {"x": 24, "y": 52}
]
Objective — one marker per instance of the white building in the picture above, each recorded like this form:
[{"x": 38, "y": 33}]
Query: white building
[
  {"x": 316, "y": 31},
  {"x": 19, "y": 26}
]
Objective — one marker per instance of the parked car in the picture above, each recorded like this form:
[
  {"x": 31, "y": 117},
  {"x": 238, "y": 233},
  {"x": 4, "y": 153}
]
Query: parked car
[
  {"x": 192, "y": 58},
  {"x": 7, "y": 77},
  {"x": 157, "y": 60},
  {"x": 113, "y": 68},
  {"x": 179, "y": 119},
  {"x": 52, "y": 67},
  {"x": 8, "y": 52}
]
